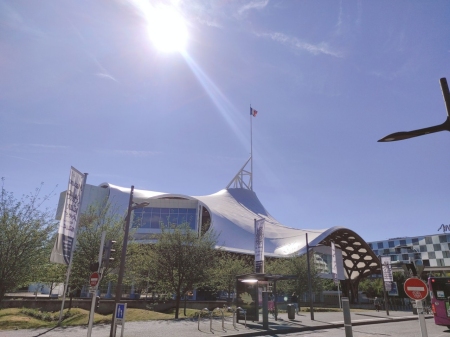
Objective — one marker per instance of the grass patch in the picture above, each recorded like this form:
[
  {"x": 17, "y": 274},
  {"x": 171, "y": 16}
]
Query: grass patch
[{"x": 25, "y": 318}]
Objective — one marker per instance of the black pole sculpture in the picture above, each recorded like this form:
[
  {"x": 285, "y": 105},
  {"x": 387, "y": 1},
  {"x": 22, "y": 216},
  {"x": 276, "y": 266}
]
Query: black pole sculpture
[{"x": 432, "y": 129}]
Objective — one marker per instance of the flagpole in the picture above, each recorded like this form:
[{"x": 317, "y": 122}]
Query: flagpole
[
  {"x": 69, "y": 268},
  {"x": 251, "y": 148}
]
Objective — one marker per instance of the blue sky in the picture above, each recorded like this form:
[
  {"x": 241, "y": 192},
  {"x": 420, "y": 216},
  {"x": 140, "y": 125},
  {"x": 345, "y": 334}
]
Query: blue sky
[{"x": 83, "y": 84}]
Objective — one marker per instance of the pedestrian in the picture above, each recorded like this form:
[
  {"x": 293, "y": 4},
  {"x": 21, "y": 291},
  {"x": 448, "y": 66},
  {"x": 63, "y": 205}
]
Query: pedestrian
[
  {"x": 376, "y": 302},
  {"x": 294, "y": 301}
]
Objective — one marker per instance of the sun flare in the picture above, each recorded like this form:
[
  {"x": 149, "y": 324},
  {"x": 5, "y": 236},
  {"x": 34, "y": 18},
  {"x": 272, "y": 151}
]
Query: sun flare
[{"x": 167, "y": 29}]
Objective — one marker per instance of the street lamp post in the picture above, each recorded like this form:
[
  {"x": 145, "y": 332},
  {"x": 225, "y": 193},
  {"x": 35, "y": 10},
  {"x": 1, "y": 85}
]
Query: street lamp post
[
  {"x": 309, "y": 280},
  {"x": 131, "y": 206},
  {"x": 420, "y": 132}
]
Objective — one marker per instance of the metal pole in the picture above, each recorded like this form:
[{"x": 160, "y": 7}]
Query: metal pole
[
  {"x": 384, "y": 287},
  {"x": 94, "y": 295},
  {"x": 347, "y": 317},
  {"x": 339, "y": 296},
  {"x": 122, "y": 260},
  {"x": 309, "y": 280},
  {"x": 423, "y": 325},
  {"x": 251, "y": 148}
]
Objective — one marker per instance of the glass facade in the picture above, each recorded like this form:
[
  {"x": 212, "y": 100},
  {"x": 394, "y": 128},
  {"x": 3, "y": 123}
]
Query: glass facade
[
  {"x": 433, "y": 250},
  {"x": 155, "y": 217}
]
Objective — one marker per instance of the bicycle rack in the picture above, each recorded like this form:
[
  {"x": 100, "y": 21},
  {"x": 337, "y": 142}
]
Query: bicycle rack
[
  {"x": 223, "y": 317},
  {"x": 234, "y": 316},
  {"x": 210, "y": 318}
]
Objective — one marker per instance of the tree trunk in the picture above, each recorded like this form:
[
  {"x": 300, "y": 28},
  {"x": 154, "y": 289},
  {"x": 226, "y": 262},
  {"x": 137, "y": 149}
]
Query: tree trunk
[
  {"x": 177, "y": 304},
  {"x": 2, "y": 292},
  {"x": 185, "y": 302},
  {"x": 70, "y": 301}
]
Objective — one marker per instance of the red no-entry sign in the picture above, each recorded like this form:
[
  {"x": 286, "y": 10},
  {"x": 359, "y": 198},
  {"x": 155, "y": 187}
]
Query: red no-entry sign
[
  {"x": 93, "y": 280},
  {"x": 416, "y": 289}
]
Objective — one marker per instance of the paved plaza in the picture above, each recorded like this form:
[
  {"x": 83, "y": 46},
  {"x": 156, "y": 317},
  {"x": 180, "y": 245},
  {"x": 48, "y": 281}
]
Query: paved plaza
[{"x": 190, "y": 327}]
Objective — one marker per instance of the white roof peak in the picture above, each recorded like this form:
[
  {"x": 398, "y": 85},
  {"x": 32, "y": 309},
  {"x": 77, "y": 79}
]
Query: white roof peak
[{"x": 243, "y": 179}]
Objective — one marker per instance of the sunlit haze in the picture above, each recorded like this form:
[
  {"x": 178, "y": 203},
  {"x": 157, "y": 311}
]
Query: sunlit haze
[
  {"x": 167, "y": 29},
  {"x": 157, "y": 94}
]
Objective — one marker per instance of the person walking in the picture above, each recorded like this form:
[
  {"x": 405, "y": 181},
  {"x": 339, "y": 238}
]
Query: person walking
[
  {"x": 294, "y": 301},
  {"x": 376, "y": 302}
]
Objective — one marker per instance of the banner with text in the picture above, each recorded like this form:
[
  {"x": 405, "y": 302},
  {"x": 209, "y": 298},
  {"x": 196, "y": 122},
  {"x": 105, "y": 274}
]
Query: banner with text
[
  {"x": 62, "y": 249},
  {"x": 259, "y": 246},
  {"x": 334, "y": 263},
  {"x": 387, "y": 271}
]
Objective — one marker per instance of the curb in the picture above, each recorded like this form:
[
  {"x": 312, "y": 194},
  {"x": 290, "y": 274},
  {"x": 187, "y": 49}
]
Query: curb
[{"x": 281, "y": 331}]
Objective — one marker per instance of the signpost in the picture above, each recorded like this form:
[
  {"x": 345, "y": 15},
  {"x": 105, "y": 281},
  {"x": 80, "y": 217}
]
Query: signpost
[
  {"x": 417, "y": 290},
  {"x": 119, "y": 318},
  {"x": 94, "y": 280}
]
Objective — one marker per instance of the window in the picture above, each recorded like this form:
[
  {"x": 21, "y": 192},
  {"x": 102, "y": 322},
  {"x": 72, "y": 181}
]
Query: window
[
  {"x": 405, "y": 257},
  {"x": 391, "y": 244},
  {"x": 423, "y": 249},
  {"x": 371, "y": 246},
  {"x": 402, "y": 242},
  {"x": 394, "y": 258},
  {"x": 446, "y": 254},
  {"x": 431, "y": 255},
  {"x": 415, "y": 241},
  {"x": 428, "y": 240},
  {"x": 442, "y": 238},
  {"x": 440, "y": 262},
  {"x": 386, "y": 252},
  {"x": 380, "y": 245},
  {"x": 437, "y": 247},
  {"x": 154, "y": 217},
  {"x": 426, "y": 263}
]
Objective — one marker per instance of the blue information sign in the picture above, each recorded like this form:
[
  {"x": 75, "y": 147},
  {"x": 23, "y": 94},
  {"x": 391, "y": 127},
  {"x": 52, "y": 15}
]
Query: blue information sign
[{"x": 120, "y": 311}]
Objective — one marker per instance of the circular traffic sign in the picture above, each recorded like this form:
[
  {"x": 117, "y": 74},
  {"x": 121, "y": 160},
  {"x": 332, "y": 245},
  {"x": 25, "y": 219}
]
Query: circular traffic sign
[
  {"x": 415, "y": 288},
  {"x": 93, "y": 280}
]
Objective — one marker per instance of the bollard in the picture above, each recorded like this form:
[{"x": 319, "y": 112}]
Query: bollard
[
  {"x": 347, "y": 318},
  {"x": 265, "y": 298}
]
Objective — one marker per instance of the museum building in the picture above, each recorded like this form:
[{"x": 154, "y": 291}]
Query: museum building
[{"x": 231, "y": 213}]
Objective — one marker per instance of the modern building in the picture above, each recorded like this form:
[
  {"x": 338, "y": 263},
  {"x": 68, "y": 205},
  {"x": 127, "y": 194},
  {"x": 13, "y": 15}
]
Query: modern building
[
  {"x": 231, "y": 213},
  {"x": 433, "y": 251}
]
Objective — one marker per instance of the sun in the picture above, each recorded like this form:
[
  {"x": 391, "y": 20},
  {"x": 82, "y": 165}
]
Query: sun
[{"x": 167, "y": 29}]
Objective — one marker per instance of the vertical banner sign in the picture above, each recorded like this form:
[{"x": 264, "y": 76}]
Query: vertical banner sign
[
  {"x": 334, "y": 263},
  {"x": 62, "y": 249},
  {"x": 387, "y": 271},
  {"x": 259, "y": 246}
]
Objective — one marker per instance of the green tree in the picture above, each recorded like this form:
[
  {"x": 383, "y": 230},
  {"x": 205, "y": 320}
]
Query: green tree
[
  {"x": 50, "y": 274},
  {"x": 92, "y": 223},
  {"x": 228, "y": 266},
  {"x": 373, "y": 287},
  {"x": 140, "y": 269},
  {"x": 298, "y": 266},
  {"x": 26, "y": 231},
  {"x": 183, "y": 260}
]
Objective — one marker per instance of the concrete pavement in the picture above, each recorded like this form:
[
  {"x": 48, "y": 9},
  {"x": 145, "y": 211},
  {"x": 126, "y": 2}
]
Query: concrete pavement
[{"x": 190, "y": 328}]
